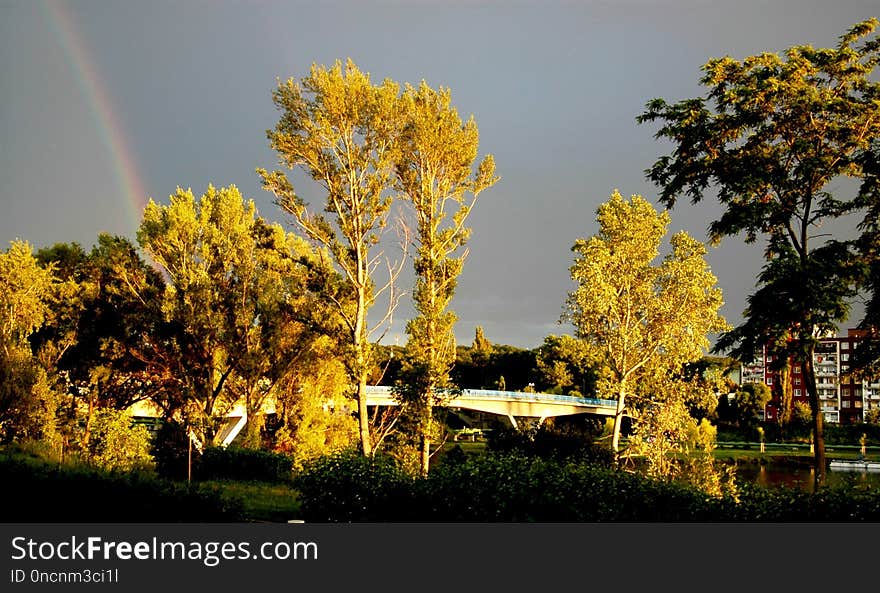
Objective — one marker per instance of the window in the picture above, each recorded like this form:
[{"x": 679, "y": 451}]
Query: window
[
  {"x": 769, "y": 380},
  {"x": 844, "y": 356},
  {"x": 858, "y": 403},
  {"x": 797, "y": 392},
  {"x": 797, "y": 370},
  {"x": 797, "y": 380},
  {"x": 845, "y": 403},
  {"x": 844, "y": 345}
]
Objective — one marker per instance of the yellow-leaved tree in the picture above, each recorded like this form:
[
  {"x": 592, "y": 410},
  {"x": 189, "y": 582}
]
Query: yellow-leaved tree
[
  {"x": 340, "y": 128},
  {"x": 642, "y": 320}
]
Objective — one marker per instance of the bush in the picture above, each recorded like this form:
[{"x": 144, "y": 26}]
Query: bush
[
  {"x": 235, "y": 463},
  {"x": 518, "y": 488},
  {"x": 116, "y": 444},
  {"x": 349, "y": 487},
  {"x": 49, "y": 493},
  {"x": 513, "y": 487},
  {"x": 494, "y": 487},
  {"x": 551, "y": 442}
]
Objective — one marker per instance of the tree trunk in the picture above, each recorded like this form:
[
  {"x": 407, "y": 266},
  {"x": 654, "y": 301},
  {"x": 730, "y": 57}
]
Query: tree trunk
[
  {"x": 426, "y": 454},
  {"x": 818, "y": 418},
  {"x": 363, "y": 418},
  {"x": 618, "y": 420}
]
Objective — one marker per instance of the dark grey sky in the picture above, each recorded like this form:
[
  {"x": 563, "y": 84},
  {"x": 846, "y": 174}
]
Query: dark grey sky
[{"x": 105, "y": 103}]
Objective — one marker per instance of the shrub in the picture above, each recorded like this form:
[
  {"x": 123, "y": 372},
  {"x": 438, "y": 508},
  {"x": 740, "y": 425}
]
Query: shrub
[
  {"x": 51, "y": 493},
  {"x": 116, "y": 444},
  {"x": 551, "y": 442},
  {"x": 349, "y": 487}
]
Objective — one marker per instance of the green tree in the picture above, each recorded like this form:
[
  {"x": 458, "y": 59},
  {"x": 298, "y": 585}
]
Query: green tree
[
  {"x": 749, "y": 402},
  {"x": 27, "y": 405},
  {"x": 435, "y": 157},
  {"x": 564, "y": 366},
  {"x": 103, "y": 327},
  {"x": 866, "y": 359},
  {"x": 771, "y": 135},
  {"x": 234, "y": 286},
  {"x": 640, "y": 321},
  {"x": 341, "y": 129}
]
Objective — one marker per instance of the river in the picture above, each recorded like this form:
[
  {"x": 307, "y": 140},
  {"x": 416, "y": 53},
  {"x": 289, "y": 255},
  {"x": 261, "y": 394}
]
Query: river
[{"x": 802, "y": 477}]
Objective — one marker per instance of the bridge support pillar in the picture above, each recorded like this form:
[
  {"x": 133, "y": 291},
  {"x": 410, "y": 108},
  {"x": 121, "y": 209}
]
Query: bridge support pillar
[{"x": 512, "y": 421}]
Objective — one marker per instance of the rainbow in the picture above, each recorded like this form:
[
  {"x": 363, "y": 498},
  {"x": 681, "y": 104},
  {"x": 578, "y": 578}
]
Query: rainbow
[{"x": 64, "y": 29}]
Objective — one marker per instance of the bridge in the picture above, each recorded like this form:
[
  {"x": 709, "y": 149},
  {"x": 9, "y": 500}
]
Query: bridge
[{"x": 509, "y": 403}]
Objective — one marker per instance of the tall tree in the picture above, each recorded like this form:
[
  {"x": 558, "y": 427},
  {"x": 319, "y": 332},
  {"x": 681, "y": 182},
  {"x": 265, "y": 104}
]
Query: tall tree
[
  {"x": 771, "y": 135},
  {"x": 434, "y": 173},
  {"x": 866, "y": 359},
  {"x": 341, "y": 129},
  {"x": 639, "y": 320}
]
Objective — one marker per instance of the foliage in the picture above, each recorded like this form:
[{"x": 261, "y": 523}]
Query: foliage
[
  {"x": 348, "y": 487},
  {"x": 641, "y": 322},
  {"x": 105, "y": 333},
  {"x": 28, "y": 402},
  {"x": 117, "y": 444},
  {"x": 313, "y": 410},
  {"x": 53, "y": 493},
  {"x": 240, "y": 298},
  {"x": 436, "y": 152},
  {"x": 511, "y": 487},
  {"x": 26, "y": 288},
  {"x": 555, "y": 438},
  {"x": 565, "y": 366},
  {"x": 340, "y": 128},
  {"x": 866, "y": 359},
  {"x": 743, "y": 409},
  {"x": 483, "y": 368},
  {"x": 772, "y": 134},
  {"x": 248, "y": 465}
]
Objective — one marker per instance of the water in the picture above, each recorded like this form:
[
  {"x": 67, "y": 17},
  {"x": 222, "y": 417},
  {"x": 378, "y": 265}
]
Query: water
[{"x": 803, "y": 477}]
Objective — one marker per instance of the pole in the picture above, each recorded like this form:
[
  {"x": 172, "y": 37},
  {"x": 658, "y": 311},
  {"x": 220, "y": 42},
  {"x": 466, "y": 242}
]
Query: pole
[{"x": 189, "y": 460}]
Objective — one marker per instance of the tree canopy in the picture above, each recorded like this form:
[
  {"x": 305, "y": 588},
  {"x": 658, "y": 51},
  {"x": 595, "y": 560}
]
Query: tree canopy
[
  {"x": 640, "y": 320},
  {"x": 771, "y": 135}
]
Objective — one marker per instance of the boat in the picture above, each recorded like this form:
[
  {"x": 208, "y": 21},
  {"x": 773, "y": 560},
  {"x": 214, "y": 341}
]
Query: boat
[{"x": 855, "y": 465}]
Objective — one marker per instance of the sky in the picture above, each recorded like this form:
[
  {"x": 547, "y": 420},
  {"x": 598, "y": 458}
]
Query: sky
[{"x": 106, "y": 104}]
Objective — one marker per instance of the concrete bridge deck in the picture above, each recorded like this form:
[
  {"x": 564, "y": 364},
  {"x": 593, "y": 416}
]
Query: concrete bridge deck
[{"x": 509, "y": 403}]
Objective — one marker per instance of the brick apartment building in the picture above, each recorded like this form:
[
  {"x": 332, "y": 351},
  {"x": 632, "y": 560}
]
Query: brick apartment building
[{"x": 843, "y": 399}]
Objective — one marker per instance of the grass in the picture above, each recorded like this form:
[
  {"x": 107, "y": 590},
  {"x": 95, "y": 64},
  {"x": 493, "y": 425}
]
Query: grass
[{"x": 262, "y": 501}]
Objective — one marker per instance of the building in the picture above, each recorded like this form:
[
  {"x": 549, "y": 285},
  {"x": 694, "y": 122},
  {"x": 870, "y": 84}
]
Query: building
[{"x": 843, "y": 399}]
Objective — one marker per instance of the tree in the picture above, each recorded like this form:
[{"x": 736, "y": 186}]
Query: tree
[
  {"x": 341, "y": 129},
  {"x": 749, "y": 402},
  {"x": 434, "y": 162},
  {"x": 103, "y": 328},
  {"x": 640, "y": 321},
  {"x": 564, "y": 366},
  {"x": 771, "y": 135},
  {"x": 235, "y": 286},
  {"x": 26, "y": 402},
  {"x": 866, "y": 359}
]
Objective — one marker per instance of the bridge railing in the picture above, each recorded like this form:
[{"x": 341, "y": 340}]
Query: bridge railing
[{"x": 513, "y": 395}]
